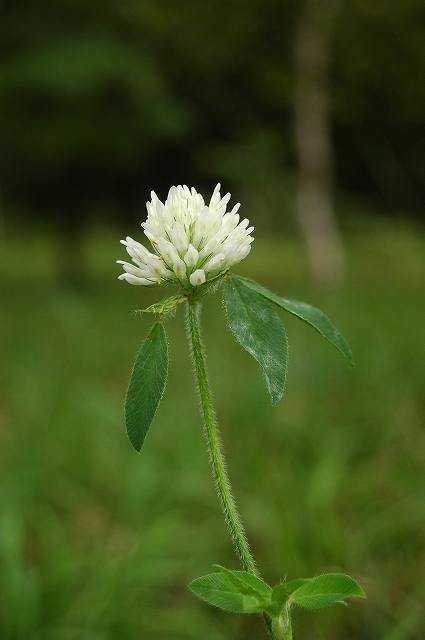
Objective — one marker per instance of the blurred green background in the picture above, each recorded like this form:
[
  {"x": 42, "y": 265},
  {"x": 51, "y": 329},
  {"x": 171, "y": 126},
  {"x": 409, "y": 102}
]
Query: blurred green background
[{"x": 311, "y": 113}]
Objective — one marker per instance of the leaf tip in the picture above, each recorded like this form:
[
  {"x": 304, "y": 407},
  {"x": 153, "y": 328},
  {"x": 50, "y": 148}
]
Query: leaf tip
[
  {"x": 190, "y": 586},
  {"x": 361, "y": 593},
  {"x": 350, "y": 357},
  {"x": 136, "y": 444}
]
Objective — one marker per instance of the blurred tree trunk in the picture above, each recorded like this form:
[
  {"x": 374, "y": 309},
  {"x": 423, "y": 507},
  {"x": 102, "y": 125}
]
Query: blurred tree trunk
[{"x": 314, "y": 145}]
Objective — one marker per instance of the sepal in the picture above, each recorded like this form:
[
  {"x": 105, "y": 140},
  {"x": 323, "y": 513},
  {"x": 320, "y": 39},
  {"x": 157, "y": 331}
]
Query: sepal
[{"x": 165, "y": 308}]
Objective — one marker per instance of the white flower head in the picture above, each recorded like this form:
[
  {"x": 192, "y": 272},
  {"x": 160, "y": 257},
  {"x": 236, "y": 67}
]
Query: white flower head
[{"x": 192, "y": 242}]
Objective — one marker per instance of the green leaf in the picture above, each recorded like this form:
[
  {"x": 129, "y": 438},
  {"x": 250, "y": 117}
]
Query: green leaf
[
  {"x": 325, "y": 590},
  {"x": 247, "y": 583},
  {"x": 146, "y": 385},
  {"x": 311, "y": 315},
  {"x": 219, "y": 591},
  {"x": 257, "y": 327},
  {"x": 282, "y": 591}
]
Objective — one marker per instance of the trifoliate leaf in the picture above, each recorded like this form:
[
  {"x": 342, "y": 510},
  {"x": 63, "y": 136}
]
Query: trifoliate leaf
[
  {"x": 219, "y": 591},
  {"x": 325, "y": 590},
  {"x": 146, "y": 385},
  {"x": 311, "y": 315},
  {"x": 258, "y": 328}
]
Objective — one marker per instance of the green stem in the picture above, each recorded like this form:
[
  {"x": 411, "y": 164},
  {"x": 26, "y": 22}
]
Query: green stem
[
  {"x": 218, "y": 464},
  {"x": 212, "y": 436},
  {"x": 282, "y": 627},
  {"x": 289, "y": 627}
]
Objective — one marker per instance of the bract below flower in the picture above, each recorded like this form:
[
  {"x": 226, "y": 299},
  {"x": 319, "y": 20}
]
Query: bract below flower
[{"x": 192, "y": 242}]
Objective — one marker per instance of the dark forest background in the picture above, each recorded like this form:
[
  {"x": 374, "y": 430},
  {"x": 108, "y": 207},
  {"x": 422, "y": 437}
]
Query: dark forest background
[{"x": 102, "y": 101}]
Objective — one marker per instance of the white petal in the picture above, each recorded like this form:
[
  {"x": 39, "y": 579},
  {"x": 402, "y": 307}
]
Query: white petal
[
  {"x": 209, "y": 248},
  {"x": 197, "y": 278},
  {"x": 191, "y": 257},
  {"x": 168, "y": 251},
  {"x": 215, "y": 195},
  {"x": 184, "y": 231},
  {"x": 179, "y": 268},
  {"x": 215, "y": 263},
  {"x": 134, "y": 280},
  {"x": 179, "y": 237}
]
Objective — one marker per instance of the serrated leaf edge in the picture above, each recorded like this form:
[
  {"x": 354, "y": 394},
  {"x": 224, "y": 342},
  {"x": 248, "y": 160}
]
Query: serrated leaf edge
[{"x": 347, "y": 353}]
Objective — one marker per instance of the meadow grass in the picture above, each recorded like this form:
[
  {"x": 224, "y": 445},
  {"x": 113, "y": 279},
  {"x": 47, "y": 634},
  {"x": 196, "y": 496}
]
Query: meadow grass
[{"x": 99, "y": 543}]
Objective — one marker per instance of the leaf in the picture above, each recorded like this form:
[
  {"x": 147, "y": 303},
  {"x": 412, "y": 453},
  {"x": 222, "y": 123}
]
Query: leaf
[
  {"x": 282, "y": 591},
  {"x": 325, "y": 590},
  {"x": 257, "y": 327},
  {"x": 219, "y": 591},
  {"x": 146, "y": 385},
  {"x": 311, "y": 315},
  {"x": 246, "y": 583}
]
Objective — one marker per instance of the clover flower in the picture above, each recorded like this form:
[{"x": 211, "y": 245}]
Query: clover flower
[
  {"x": 192, "y": 242},
  {"x": 195, "y": 243}
]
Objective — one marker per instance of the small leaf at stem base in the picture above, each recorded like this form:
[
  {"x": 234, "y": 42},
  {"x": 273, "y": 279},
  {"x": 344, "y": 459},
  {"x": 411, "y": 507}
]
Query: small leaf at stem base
[
  {"x": 325, "y": 590},
  {"x": 218, "y": 590}
]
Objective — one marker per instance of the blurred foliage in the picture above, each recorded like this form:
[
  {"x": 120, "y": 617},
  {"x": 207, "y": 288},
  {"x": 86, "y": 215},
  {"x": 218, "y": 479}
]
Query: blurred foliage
[
  {"x": 99, "y": 543},
  {"x": 100, "y": 101}
]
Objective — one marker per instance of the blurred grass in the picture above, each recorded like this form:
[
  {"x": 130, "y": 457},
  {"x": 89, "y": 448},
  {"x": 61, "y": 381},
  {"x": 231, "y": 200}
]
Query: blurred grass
[{"x": 98, "y": 543}]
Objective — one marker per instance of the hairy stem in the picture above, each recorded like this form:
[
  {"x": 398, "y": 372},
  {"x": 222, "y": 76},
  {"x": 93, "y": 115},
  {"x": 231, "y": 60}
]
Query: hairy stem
[
  {"x": 212, "y": 436},
  {"x": 282, "y": 627}
]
